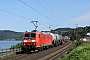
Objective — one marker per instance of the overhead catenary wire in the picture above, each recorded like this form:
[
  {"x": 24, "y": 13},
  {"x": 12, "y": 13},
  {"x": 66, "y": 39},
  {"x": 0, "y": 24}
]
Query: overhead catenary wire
[
  {"x": 51, "y": 7},
  {"x": 10, "y": 5},
  {"x": 22, "y": 11},
  {"x": 28, "y": 14},
  {"x": 37, "y": 11},
  {"x": 14, "y": 8},
  {"x": 45, "y": 8},
  {"x": 14, "y": 14},
  {"x": 17, "y": 9},
  {"x": 47, "y": 11},
  {"x": 53, "y": 10},
  {"x": 18, "y": 16}
]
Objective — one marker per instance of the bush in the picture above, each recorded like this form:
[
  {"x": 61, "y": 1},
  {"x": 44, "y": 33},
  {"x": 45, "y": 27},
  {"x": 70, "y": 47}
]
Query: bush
[
  {"x": 16, "y": 46},
  {"x": 81, "y": 51},
  {"x": 78, "y": 43}
]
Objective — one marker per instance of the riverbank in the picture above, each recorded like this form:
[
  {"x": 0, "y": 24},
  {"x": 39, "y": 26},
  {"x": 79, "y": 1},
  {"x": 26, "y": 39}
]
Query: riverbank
[{"x": 7, "y": 44}]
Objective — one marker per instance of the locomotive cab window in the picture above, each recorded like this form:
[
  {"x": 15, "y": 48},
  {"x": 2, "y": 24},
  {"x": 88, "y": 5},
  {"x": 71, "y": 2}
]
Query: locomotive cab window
[
  {"x": 26, "y": 35},
  {"x": 30, "y": 35}
]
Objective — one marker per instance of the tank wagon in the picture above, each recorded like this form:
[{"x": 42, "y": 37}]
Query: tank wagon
[
  {"x": 56, "y": 39},
  {"x": 36, "y": 40},
  {"x": 65, "y": 38}
]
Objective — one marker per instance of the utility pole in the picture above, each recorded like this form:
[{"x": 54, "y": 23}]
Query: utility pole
[
  {"x": 35, "y": 24},
  {"x": 76, "y": 25},
  {"x": 49, "y": 27}
]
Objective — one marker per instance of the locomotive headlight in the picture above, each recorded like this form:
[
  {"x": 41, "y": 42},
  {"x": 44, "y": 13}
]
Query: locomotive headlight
[
  {"x": 25, "y": 41},
  {"x": 33, "y": 40}
]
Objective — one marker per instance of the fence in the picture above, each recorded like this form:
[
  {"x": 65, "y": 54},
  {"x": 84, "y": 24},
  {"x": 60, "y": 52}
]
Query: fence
[{"x": 5, "y": 52}]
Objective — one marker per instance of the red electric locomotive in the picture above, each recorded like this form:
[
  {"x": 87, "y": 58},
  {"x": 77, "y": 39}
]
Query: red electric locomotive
[{"x": 35, "y": 40}]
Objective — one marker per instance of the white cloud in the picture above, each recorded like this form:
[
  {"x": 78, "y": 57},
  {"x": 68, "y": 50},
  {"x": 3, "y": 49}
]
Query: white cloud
[{"x": 83, "y": 18}]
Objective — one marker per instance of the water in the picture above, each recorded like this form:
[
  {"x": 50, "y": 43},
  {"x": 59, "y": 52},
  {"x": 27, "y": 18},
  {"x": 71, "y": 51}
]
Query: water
[{"x": 7, "y": 44}]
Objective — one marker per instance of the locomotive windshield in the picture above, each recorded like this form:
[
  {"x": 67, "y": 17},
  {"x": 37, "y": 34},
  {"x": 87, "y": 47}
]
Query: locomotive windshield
[{"x": 30, "y": 35}]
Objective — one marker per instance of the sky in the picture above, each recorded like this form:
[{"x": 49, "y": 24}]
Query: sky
[{"x": 16, "y": 15}]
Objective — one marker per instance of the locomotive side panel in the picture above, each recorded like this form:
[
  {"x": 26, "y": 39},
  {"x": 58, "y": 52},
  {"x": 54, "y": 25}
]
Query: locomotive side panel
[{"x": 45, "y": 40}]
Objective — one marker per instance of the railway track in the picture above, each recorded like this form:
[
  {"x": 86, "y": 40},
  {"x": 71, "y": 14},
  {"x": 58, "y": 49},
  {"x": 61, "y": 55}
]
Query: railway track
[
  {"x": 53, "y": 56},
  {"x": 49, "y": 54}
]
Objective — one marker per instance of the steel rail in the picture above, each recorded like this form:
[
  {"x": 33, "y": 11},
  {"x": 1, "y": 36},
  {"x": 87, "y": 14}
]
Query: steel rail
[{"x": 56, "y": 53}]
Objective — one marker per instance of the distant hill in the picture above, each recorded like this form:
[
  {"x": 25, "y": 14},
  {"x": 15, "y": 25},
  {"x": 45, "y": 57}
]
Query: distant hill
[
  {"x": 10, "y": 35},
  {"x": 62, "y": 31}
]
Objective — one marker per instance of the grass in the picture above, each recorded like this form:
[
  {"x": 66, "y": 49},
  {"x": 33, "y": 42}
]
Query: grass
[
  {"x": 81, "y": 51},
  {"x": 13, "y": 54}
]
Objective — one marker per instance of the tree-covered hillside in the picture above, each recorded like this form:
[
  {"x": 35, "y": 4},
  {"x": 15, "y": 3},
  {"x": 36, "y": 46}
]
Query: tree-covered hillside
[
  {"x": 62, "y": 31},
  {"x": 74, "y": 33},
  {"x": 10, "y": 35}
]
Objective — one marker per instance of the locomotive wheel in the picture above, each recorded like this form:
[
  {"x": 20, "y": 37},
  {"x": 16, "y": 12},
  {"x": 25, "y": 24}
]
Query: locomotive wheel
[
  {"x": 61, "y": 43},
  {"x": 49, "y": 46},
  {"x": 28, "y": 52},
  {"x": 52, "y": 45},
  {"x": 39, "y": 49},
  {"x": 23, "y": 51}
]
